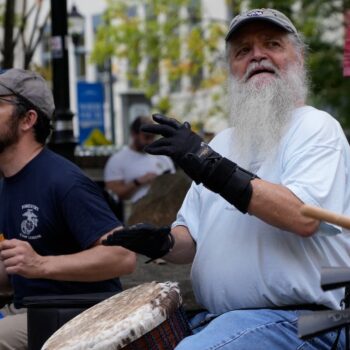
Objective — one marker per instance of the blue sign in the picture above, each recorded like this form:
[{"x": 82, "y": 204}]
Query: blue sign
[{"x": 90, "y": 109}]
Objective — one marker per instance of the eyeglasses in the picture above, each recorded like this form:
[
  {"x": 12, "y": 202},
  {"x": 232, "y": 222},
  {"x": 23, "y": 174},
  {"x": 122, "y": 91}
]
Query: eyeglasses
[{"x": 12, "y": 102}]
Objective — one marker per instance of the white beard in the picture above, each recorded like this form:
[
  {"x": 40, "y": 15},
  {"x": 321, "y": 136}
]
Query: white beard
[{"x": 260, "y": 112}]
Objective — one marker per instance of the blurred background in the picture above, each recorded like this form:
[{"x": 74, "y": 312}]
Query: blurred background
[{"x": 111, "y": 60}]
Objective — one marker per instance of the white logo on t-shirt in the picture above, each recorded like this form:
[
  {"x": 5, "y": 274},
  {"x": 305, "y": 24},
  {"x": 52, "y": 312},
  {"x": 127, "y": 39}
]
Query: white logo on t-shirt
[{"x": 30, "y": 221}]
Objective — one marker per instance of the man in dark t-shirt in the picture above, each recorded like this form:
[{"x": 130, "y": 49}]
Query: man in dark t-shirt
[{"x": 52, "y": 216}]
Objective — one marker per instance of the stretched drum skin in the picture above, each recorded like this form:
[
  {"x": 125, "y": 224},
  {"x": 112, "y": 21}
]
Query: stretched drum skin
[{"x": 146, "y": 317}]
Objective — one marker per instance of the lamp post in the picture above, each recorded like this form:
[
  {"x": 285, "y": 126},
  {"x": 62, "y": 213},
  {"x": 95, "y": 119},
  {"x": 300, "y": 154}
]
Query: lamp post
[
  {"x": 76, "y": 25},
  {"x": 76, "y": 30},
  {"x": 62, "y": 140},
  {"x": 111, "y": 78}
]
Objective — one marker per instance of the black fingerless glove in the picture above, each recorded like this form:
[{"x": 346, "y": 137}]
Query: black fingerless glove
[
  {"x": 145, "y": 239},
  {"x": 200, "y": 162}
]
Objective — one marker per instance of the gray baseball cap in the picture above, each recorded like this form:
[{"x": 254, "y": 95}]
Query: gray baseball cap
[
  {"x": 268, "y": 15},
  {"x": 29, "y": 85}
]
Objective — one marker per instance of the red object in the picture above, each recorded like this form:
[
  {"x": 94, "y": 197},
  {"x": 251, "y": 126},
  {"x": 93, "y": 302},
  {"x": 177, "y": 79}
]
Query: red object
[{"x": 346, "y": 59}]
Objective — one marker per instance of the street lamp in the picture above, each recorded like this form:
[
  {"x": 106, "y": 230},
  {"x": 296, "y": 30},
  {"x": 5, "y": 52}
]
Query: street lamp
[
  {"x": 62, "y": 140},
  {"x": 76, "y": 25},
  {"x": 76, "y": 30}
]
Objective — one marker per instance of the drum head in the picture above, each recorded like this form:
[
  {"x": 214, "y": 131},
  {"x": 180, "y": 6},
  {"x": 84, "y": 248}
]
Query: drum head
[{"x": 118, "y": 320}]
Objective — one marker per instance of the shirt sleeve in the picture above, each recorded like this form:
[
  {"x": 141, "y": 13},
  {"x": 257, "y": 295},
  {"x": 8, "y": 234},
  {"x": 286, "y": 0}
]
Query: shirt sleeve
[
  {"x": 113, "y": 171},
  {"x": 190, "y": 211},
  {"x": 169, "y": 165},
  {"x": 87, "y": 213},
  {"x": 314, "y": 167}
]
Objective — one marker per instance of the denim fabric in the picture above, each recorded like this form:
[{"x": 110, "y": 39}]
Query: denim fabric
[{"x": 253, "y": 330}]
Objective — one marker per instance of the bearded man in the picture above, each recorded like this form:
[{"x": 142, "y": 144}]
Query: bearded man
[{"x": 256, "y": 259}]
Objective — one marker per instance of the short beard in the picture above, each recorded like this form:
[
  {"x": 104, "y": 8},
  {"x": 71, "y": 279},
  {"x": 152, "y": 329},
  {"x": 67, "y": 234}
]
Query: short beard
[
  {"x": 260, "y": 113},
  {"x": 10, "y": 137}
]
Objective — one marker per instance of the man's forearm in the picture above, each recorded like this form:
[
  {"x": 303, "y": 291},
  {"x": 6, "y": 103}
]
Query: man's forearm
[
  {"x": 184, "y": 248},
  {"x": 278, "y": 206},
  {"x": 96, "y": 264},
  {"x": 123, "y": 189}
]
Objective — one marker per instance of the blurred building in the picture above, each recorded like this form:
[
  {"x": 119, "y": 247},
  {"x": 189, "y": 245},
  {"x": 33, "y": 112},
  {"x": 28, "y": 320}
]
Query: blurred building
[{"x": 121, "y": 102}]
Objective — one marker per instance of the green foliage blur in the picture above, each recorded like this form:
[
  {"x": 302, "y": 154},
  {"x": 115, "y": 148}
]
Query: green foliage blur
[
  {"x": 181, "y": 45},
  {"x": 161, "y": 39}
]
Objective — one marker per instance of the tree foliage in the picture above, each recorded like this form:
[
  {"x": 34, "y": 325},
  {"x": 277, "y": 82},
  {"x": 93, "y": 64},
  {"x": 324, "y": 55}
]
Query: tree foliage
[
  {"x": 25, "y": 28},
  {"x": 168, "y": 37},
  {"x": 184, "y": 46}
]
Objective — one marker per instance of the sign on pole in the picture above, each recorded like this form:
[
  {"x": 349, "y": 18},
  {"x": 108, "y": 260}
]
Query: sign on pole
[{"x": 90, "y": 109}]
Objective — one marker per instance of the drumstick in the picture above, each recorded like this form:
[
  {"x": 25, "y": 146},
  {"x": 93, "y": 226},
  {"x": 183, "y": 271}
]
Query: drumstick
[
  {"x": 325, "y": 215},
  {"x": 2, "y": 238}
]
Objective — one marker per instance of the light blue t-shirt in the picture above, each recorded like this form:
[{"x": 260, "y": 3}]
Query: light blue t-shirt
[{"x": 243, "y": 262}]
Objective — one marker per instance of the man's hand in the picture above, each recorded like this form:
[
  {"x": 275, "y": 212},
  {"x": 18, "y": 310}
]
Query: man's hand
[
  {"x": 179, "y": 142},
  {"x": 20, "y": 258},
  {"x": 146, "y": 178},
  {"x": 145, "y": 239},
  {"x": 200, "y": 162},
  {"x": 178, "y": 138}
]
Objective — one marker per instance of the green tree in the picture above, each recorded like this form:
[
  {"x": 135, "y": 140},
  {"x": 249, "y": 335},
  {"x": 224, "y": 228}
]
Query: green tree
[
  {"x": 163, "y": 40},
  {"x": 19, "y": 30}
]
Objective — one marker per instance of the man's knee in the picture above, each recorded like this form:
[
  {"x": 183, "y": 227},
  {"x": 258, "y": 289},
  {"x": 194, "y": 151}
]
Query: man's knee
[{"x": 13, "y": 332}]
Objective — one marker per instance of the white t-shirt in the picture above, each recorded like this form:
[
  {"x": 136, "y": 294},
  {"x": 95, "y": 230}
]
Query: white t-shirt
[
  {"x": 128, "y": 165},
  {"x": 241, "y": 261}
]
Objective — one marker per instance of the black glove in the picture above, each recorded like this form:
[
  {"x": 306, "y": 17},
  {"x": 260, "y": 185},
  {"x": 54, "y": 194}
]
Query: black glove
[
  {"x": 200, "y": 162},
  {"x": 145, "y": 239},
  {"x": 178, "y": 138}
]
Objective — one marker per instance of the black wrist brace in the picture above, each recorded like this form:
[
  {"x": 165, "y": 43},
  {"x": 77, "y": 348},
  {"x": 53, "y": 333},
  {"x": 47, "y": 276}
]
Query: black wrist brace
[{"x": 220, "y": 175}]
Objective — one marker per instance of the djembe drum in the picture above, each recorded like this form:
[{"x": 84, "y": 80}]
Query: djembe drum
[{"x": 146, "y": 317}]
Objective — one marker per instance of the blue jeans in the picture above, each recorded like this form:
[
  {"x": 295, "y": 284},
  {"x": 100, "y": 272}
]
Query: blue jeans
[{"x": 260, "y": 329}]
